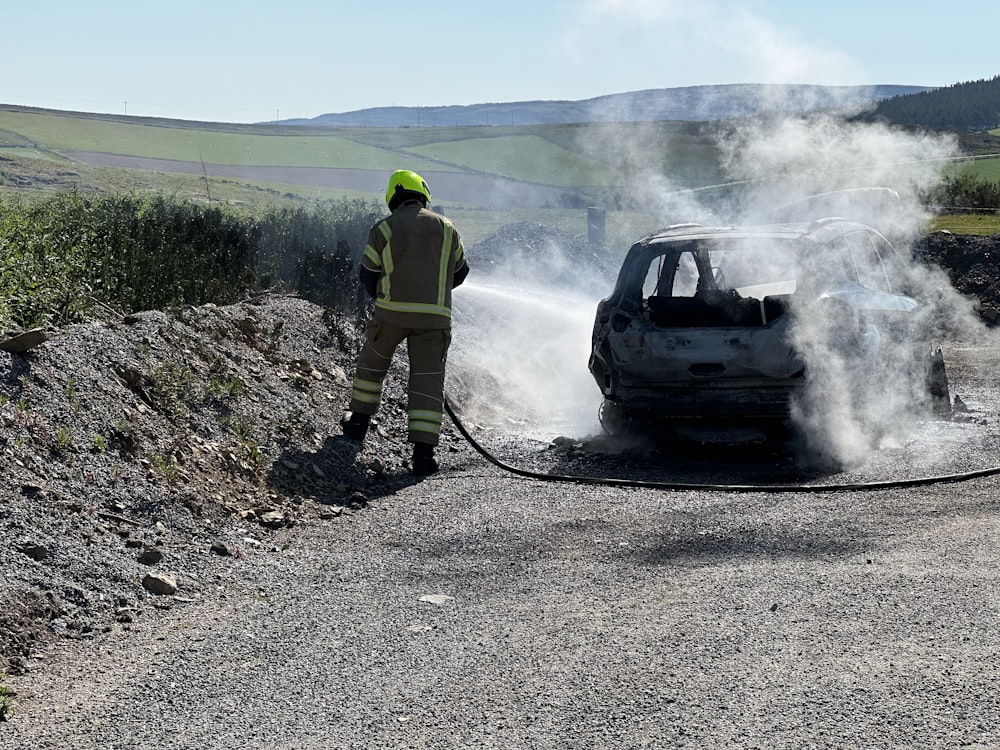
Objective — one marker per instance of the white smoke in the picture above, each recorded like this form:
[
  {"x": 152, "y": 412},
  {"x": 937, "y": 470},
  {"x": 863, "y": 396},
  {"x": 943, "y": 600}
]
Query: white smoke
[
  {"x": 523, "y": 326},
  {"x": 849, "y": 407},
  {"x": 788, "y": 158},
  {"x": 865, "y": 390},
  {"x": 519, "y": 357},
  {"x": 536, "y": 348}
]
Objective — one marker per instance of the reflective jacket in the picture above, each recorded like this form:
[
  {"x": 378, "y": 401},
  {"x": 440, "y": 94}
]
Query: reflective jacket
[{"x": 413, "y": 259}]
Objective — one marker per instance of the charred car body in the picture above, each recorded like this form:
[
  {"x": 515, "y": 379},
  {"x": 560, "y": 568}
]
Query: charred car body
[{"x": 706, "y": 323}]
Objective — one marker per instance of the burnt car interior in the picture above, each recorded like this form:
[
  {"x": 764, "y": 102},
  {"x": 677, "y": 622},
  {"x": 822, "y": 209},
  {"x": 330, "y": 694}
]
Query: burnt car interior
[
  {"x": 686, "y": 286},
  {"x": 714, "y": 283}
]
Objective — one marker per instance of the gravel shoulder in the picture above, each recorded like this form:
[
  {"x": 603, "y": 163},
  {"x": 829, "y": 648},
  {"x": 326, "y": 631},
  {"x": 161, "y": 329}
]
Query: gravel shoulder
[{"x": 476, "y": 610}]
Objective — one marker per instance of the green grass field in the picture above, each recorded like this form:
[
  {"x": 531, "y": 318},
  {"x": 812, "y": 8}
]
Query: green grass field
[
  {"x": 567, "y": 156},
  {"x": 524, "y": 157},
  {"x": 981, "y": 224},
  {"x": 988, "y": 169},
  {"x": 561, "y": 155},
  {"x": 216, "y": 146},
  {"x": 590, "y": 156}
]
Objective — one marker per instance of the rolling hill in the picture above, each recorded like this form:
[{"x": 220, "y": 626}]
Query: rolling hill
[{"x": 692, "y": 103}]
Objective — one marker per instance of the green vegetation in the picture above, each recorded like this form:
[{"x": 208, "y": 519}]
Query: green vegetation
[
  {"x": 225, "y": 388},
  {"x": 64, "y": 257},
  {"x": 62, "y": 439},
  {"x": 979, "y": 224},
  {"x": 597, "y": 163},
  {"x": 973, "y": 105},
  {"x": 71, "y": 394},
  {"x": 604, "y": 153},
  {"x": 167, "y": 468},
  {"x": 516, "y": 156},
  {"x": 599, "y": 154},
  {"x": 172, "y": 390},
  {"x": 250, "y": 451},
  {"x": 966, "y": 190},
  {"x": 986, "y": 169},
  {"x": 286, "y": 147},
  {"x": 6, "y": 699}
]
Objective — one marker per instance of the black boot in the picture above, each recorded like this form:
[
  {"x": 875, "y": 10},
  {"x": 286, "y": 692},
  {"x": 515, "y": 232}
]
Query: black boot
[
  {"x": 355, "y": 427},
  {"x": 424, "y": 462}
]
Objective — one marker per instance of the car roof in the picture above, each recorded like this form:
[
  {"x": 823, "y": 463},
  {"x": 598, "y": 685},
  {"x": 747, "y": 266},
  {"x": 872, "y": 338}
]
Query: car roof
[{"x": 821, "y": 230}]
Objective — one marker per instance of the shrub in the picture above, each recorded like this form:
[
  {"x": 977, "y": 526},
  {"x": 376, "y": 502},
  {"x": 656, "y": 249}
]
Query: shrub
[
  {"x": 63, "y": 257},
  {"x": 967, "y": 190}
]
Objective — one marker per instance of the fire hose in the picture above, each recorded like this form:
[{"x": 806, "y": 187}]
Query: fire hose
[{"x": 683, "y": 486}]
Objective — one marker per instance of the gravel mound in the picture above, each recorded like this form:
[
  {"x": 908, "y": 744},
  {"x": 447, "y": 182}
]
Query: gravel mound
[
  {"x": 536, "y": 254},
  {"x": 971, "y": 263},
  {"x": 138, "y": 452}
]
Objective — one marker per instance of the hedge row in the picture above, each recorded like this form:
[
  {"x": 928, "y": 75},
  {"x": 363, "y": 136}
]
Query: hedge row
[{"x": 64, "y": 257}]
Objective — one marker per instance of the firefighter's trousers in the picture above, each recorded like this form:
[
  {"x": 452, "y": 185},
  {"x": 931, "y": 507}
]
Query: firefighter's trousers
[{"x": 428, "y": 351}]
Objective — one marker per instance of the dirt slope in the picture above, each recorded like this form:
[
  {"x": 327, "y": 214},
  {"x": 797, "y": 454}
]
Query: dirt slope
[{"x": 122, "y": 441}]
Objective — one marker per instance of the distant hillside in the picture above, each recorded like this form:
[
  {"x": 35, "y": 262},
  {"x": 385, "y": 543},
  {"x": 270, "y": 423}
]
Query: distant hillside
[
  {"x": 970, "y": 106},
  {"x": 697, "y": 103}
]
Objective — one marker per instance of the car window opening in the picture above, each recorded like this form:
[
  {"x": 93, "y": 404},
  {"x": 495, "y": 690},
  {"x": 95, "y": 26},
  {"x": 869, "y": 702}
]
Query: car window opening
[{"x": 713, "y": 284}]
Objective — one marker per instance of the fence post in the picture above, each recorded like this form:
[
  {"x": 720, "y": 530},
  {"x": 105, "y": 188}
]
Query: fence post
[{"x": 596, "y": 225}]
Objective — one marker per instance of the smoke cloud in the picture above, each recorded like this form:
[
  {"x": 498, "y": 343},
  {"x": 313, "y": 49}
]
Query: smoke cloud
[
  {"x": 519, "y": 361},
  {"x": 865, "y": 388},
  {"x": 784, "y": 159},
  {"x": 524, "y": 319},
  {"x": 522, "y": 323}
]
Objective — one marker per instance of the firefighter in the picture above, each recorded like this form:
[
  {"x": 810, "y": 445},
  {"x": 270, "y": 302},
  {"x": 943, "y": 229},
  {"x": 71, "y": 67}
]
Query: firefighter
[{"x": 413, "y": 259}]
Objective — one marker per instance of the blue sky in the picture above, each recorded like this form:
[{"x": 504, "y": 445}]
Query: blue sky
[{"x": 253, "y": 61}]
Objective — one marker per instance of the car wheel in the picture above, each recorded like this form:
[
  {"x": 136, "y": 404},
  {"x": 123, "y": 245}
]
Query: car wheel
[{"x": 613, "y": 418}]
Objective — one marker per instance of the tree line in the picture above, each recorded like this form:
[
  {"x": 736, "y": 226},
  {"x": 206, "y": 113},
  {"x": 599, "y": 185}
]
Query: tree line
[{"x": 969, "y": 106}]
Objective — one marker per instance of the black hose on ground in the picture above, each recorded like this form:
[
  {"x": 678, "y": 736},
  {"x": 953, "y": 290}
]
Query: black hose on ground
[{"x": 680, "y": 486}]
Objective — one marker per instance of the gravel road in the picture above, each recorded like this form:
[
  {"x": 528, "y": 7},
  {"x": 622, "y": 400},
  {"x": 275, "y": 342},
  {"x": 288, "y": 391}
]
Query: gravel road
[{"x": 478, "y": 610}]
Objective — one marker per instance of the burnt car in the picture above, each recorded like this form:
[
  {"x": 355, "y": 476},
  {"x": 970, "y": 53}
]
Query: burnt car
[{"x": 731, "y": 324}]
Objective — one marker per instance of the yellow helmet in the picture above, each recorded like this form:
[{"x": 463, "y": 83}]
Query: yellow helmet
[{"x": 404, "y": 185}]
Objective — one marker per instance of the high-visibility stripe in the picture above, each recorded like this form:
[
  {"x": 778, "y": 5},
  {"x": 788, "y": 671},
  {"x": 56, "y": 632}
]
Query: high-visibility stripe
[
  {"x": 414, "y": 307},
  {"x": 425, "y": 421},
  {"x": 367, "y": 391},
  {"x": 385, "y": 230},
  {"x": 374, "y": 386},
  {"x": 371, "y": 254},
  {"x": 443, "y": 264},
  {"x": 426, "y": 415},
  {"x": 387, "y": 265}
]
